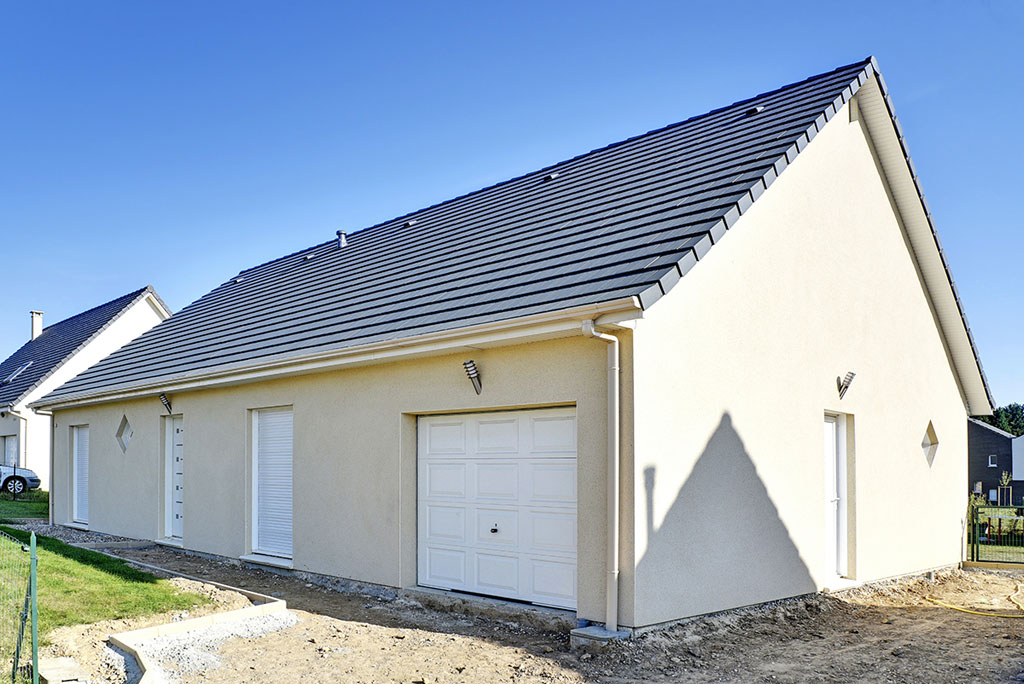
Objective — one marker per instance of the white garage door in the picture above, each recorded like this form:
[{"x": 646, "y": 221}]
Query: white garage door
[{"x": 497, "y": 504}]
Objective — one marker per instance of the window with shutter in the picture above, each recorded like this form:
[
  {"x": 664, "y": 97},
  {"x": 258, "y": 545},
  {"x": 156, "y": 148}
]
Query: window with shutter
[
  {"x": 80, "y": 476},
  {"x": 272, "y": 486}
]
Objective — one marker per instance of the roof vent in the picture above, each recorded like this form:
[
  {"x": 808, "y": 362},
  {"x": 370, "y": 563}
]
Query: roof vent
[
  {"x": 342, "y": 239},
  {"x": 551, "y": 176},
  {"x": 411, "y": 222},
  {"x": 238, "y": 280},
  {"x": 755, "y": 110},
  {"x": 309, "y": 256},
  {"x": 18, "y": 371}
]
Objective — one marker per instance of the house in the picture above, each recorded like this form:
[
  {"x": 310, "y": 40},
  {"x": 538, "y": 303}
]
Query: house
[
  {"x": 52, "y": 356},
  {"x": 990, "y": 454},
  {"x": 701, "y": 368}
]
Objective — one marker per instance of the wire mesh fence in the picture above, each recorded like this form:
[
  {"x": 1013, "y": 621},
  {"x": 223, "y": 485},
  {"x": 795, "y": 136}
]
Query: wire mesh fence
[
  {"x": 997, "y": 534},
  {"x": 19, "y": 641}
]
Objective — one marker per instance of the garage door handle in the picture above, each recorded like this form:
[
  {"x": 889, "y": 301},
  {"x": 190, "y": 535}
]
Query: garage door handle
[{"x": 494, "y": 530}]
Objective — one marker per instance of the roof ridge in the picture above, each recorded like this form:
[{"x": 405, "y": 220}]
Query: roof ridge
[
  {"x": 757, "y": 187},
  {"x": 131, "y": 296},
  {"x": 356, "y": 232}
]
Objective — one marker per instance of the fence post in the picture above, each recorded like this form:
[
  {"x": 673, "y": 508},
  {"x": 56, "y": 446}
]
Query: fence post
[
  {"x": 974, "y": 523},
  {"x": 35, "y": 609}
]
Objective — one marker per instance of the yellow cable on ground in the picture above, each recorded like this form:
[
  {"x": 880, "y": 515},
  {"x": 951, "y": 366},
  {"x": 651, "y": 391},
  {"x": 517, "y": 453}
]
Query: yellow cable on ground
[
  {"x": 1015, "y": 601},
  {"x": 978, "y": 612}
]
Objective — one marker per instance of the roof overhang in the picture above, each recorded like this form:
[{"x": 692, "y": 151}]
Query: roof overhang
[
  {"x": 534, "y": 328},
  {"x": 874, "y": 106}
]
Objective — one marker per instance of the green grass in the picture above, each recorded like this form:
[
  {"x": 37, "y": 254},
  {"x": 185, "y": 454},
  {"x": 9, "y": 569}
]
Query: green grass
[
  {"x": 78, "y": 586},
  {"x": 33, "y": 504}
]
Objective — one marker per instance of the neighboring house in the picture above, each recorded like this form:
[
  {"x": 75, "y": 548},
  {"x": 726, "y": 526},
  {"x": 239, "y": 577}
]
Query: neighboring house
[
  {"x": 52, "y": 356},
  {"x": 990, "y": 454},
  {"x": 653, "y": 333}
]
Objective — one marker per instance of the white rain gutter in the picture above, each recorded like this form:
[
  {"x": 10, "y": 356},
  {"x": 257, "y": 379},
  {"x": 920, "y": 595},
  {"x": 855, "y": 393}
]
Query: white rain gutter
[{"x": 611, "y": 622}]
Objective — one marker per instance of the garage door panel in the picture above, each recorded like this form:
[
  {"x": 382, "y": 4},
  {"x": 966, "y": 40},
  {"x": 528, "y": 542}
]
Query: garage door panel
[
  {"x": 553, "y": 481},
  {"x": 512, "y": 472},
  {"x": 549, "y": 531},
  {"x": 445, "y": 480},
  {"x": 553, "y": 434},
  {"x": 497, "y": 481},
  {"x": 445, "y": 568},
  {"x": 497, "y": 573},
  {"x": 553, "y": 582},
  {"x": 446, "y": 524},
  {"x": 497, "y": 435},
  {"x": 505, "y": 521},
  {"x": 446, "y": 438}
]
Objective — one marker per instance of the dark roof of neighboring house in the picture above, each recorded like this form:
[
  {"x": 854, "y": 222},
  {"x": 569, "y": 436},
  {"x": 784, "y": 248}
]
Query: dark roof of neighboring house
[
  {"x": 56, "y": 344},
  {"x": 993, "y": 428},
  {"x": 627, "y": 220}
]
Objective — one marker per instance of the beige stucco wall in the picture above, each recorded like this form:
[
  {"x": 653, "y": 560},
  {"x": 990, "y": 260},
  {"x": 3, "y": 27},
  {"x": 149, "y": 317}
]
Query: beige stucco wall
[
  {"x": 354, "y": 456},
  {"x": 735, "y": 370}
]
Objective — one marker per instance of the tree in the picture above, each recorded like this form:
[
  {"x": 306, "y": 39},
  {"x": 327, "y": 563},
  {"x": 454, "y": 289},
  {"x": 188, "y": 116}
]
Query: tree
[{"x": 1009, "y": 418}]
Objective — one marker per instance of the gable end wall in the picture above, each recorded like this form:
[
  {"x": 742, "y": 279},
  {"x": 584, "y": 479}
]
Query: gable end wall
[{"x": 734, "y": 371}]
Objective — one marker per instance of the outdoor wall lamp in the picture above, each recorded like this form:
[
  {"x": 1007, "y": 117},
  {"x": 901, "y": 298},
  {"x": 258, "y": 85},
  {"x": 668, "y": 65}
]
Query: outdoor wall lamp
[
  {"x": 473, "y": 374},
  {"x": 844, "y": 384},
  {"x": 166, "y": 402}
]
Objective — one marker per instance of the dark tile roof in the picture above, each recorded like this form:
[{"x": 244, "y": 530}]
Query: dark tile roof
[
  {"x": 625, "y": 220},
  {"x": 56, "y": 344}
]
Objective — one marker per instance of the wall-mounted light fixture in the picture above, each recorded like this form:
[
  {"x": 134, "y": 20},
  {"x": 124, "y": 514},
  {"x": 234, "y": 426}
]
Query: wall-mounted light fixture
[
  {"x": 473, "y": 374},
  {"x": 843, "y": 384},
  {"x": 166, "y": 402}
]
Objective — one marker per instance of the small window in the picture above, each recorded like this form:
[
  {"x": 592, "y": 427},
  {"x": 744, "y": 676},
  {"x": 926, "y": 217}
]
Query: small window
[
  {"x": 930, "y": 443},
  {"x": 124, "y": 434},
  {"x": 977, "y": 488},
  {"x": 993, "y": 495},
  {"x": 18, "y": 371},
  {"x": 993, "y": 461}
]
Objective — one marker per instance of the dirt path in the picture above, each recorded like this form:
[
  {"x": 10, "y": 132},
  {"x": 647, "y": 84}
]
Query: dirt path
[{"x": 882, "y": 634}]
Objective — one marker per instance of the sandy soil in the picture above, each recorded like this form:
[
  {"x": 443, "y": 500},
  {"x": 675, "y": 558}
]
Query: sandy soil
[{"x": 887, "y": 633}]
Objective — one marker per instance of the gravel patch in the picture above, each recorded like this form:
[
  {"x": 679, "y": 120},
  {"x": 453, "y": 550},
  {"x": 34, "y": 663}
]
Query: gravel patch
[
  {"x": 196, "y": 650},
  {"x": 118, "y": 666},
  {"x": 70, "y": 535}
]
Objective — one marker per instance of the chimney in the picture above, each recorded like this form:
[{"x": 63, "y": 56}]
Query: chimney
[{"x": 37, "y": 323}]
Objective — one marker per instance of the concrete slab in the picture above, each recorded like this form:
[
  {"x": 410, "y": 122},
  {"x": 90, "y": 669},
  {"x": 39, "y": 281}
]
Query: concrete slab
[
  {"x": 594, "y": 637},
  {"x": 60, "y": 671}
]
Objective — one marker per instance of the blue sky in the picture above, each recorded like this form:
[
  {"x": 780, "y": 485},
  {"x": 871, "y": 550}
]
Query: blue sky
[{"x": 176, "y": 143}]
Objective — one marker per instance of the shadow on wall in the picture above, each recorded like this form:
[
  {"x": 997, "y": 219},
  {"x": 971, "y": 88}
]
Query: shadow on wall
[{"x": 722, "y": 544}]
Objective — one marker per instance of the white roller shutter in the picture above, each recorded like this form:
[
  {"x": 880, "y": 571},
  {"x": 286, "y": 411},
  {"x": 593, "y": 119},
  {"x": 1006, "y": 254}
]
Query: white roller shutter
[
  {"x": 273, "y": 482},
  {"x": 80, "y": 477}
]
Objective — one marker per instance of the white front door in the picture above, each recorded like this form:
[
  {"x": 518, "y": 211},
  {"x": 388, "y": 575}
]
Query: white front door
[
  {"x": 175, "y": 476},
  {"x": 497, "y": 504},
  {"x": 10, "y": 449},
  {"x": 835, "y": 498},
  {"x": 80, "y": 473},
  {"x": 272, "y": 482}
]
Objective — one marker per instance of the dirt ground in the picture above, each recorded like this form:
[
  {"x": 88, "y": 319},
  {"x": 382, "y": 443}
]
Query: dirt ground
[
  {"x": 887, "y": 633},
  {"x": 87, "y": 643}
]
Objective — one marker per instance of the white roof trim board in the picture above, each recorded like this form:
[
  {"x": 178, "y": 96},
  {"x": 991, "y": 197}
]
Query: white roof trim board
[{"x": 623, "y": 222}]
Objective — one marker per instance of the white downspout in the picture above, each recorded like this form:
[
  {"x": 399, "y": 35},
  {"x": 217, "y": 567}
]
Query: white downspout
[{"x": 611, "y": 622}]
